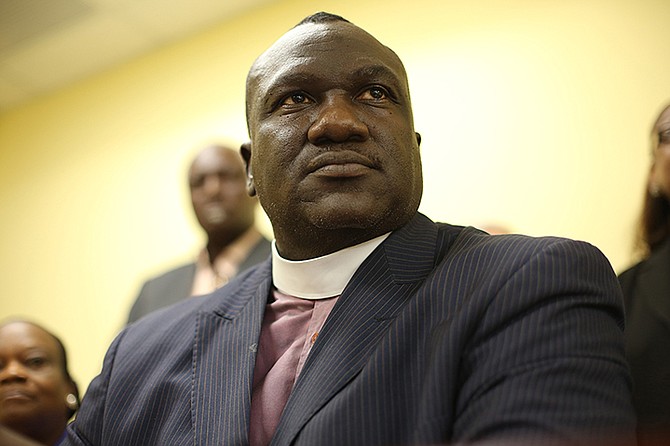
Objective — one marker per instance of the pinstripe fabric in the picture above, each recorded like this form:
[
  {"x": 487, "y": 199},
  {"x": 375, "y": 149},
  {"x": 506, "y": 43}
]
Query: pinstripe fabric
[{"x": 443, "y": 335}]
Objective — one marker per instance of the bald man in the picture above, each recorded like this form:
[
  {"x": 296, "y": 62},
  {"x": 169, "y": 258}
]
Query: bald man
[{"x": 224, "y": 210}]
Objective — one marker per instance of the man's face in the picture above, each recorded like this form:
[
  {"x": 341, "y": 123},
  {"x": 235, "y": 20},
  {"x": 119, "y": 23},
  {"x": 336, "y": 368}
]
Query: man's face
[
  {"x": 333, "y": 153},
  {"x": 33, "y": 384},
  {"x": 218, "y": 192}
]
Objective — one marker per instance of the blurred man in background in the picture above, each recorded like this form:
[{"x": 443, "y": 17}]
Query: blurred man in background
[{"x": 226, "y": 213}]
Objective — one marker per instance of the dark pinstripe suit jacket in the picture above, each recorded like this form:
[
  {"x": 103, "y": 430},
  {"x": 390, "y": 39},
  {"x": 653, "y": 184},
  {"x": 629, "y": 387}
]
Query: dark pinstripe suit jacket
[{"x": 443, "y": 335}]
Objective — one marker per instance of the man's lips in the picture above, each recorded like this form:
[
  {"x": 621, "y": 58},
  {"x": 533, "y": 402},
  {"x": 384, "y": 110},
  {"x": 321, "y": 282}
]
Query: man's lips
[
  {"x": 347, "y": 170},
  {"x": 340, "y": 165},
  {"x": 214, "y": 213}
]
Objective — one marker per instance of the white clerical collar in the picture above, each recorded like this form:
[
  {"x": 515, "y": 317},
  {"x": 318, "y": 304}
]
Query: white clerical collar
[{"x": 320, "y": 277}]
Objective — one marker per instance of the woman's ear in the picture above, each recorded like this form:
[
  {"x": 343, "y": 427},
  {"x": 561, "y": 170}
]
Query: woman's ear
[
  {"x": 245, "y": 151},
  {"x": 72, "y": 398}
]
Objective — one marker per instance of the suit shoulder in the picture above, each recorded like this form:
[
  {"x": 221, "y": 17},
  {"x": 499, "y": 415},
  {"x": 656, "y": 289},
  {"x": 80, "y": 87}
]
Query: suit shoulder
[
  {"x": 180, "y": 271},
  {"x": 484, "y": 251},
  {"x": 264, "y": 244},
  {"x": 471, "y": 237},
  {"x": 511, "y": 251},
  {"x": 185, "y": 310}
]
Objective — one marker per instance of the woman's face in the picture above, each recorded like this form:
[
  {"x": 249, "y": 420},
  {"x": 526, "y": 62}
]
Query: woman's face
[
  {"x": 33, "y": 385},
  {"x": 659, "y": 180}
]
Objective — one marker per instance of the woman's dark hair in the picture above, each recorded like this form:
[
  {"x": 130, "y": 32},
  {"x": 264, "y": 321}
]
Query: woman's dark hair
[
  {"x": 654, "y": 223},
  {"x": 654, "y": 226}
]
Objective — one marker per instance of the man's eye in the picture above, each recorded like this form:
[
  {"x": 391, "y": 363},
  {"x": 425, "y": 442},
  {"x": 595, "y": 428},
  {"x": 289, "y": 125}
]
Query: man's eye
[
  {"x": 197, "y": 182},
  {"x": 375, "y": 93},
  {"x": 296, "y": 98}
]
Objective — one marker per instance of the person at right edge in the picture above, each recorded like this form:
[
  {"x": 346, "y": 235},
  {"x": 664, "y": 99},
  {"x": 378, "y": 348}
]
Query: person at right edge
[
  {"x": 646, "y": 289},
  {"x": 370, "y": 324}
]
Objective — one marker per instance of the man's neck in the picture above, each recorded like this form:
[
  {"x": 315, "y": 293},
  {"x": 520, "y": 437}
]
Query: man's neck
[{"x": 218, "y": 243}]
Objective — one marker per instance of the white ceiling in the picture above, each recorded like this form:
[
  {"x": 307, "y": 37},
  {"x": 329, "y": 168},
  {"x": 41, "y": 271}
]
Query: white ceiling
[{"x": 48, "y": 44}]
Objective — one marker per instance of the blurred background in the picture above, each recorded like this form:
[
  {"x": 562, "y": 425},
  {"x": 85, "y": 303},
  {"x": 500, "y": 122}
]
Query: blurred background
[{"x": 535, "y": 116}]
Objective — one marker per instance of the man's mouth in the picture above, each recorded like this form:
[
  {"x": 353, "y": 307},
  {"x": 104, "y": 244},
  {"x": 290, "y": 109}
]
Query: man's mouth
[
  {"x": 215, "y": 213},
  {"x": 345, "y": 164},
  {"x": 346, "y": 170}
]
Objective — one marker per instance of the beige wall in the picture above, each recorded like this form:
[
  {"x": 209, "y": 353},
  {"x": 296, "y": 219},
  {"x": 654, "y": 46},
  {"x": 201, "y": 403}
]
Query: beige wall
[{"x": 533, "y": 113}]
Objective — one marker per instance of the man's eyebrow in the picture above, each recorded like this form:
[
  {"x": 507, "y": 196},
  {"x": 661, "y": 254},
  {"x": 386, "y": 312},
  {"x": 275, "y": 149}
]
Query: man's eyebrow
[
  {"x": 289, "y": 78},
  {"x": 375, "y": 71}
]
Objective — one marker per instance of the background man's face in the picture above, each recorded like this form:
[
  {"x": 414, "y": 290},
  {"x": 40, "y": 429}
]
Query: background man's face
[{"x": 218, "y": 191}]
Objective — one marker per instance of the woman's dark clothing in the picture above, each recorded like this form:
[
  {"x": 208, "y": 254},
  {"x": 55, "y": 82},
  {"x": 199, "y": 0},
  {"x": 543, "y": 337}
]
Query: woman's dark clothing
[{"x": 646, "y": 288}]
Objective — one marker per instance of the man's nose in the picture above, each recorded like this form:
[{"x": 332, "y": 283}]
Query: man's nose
[
  {"x": 337, "y": 121},
  {"x": 212, "y": 185}
]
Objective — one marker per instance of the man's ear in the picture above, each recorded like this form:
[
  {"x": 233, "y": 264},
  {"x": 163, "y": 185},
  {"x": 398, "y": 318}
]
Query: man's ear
[{"x": 245, "y": 151}]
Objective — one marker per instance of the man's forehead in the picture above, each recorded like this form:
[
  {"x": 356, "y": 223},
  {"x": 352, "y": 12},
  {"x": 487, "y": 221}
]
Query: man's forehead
[
  {"x": 306, "y": 41},
  {"x": 331, "y": 47}
]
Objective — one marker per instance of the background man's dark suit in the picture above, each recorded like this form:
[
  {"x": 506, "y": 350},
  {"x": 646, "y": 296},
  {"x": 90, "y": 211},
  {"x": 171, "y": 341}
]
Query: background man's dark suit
[
  {"x": 442, "y": 335},
  {"x": 175, "y": 285}
]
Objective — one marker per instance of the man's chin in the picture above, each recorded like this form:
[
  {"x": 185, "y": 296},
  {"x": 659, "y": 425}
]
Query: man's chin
[
  {"x": 361, "y": 212},
  {"x": 334, "y": 219}
]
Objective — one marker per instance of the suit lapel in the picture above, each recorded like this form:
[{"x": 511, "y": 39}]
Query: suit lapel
[
  {"x": 224, "y": 352},
  {"x": 377, "y": 292}
]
